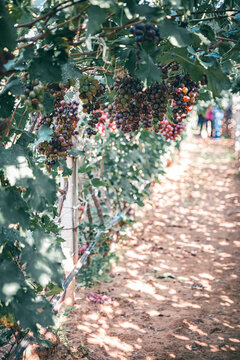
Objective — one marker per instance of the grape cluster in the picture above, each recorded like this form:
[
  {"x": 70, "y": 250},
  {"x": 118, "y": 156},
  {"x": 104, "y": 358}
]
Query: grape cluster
[
  {"x": 145, "y": 32},
  {"x": 90, "y": 90},
  {"x": 125, "y": 110},
  {"x": 184, "y": 92},
  {"x": 128, "y": 119},
  {"x": 63, "y": 122},
  {"x": 126, "y": 87},
  {"x": 90, "y": 93},
  {"x": 157, "y": 95},
  {"x": 171, "y": 130},
  {"x": 133, "y": 106},
  {"x": 33, "y": 96}
]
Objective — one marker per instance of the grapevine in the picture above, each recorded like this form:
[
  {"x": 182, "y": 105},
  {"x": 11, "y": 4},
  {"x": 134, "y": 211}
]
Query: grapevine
[
  {"x": 33, "y": 95},
  {"x": 63, "y": 121},
  {"x": 145, "y": 32},
  {"x": 90, "y": 93}
]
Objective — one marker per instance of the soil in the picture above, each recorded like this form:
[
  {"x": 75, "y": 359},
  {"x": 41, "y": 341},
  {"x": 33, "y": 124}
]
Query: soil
[{"x": 176, "y": 286}]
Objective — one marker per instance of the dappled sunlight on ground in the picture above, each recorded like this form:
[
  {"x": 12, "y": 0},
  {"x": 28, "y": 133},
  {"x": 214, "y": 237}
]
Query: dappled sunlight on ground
[{"x": 176, "y": 287}]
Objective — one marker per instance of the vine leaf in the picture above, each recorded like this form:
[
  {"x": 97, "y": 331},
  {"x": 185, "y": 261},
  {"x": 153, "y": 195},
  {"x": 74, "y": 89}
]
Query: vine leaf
[
  {"x": 96, "y": 16},
  {"x": 17, "y": 210},
  {"x": 42, "y": 257},
  {"x": 178, "y": 36},
  {"x": 147, "y": 70},
  {"x": 217, "y": 80},
  {"x": 97, "y": 182},
  {"x": 7, "y": 28},
  {"x": 6, "y": 104},
  {"x": 44, "y": 134}
]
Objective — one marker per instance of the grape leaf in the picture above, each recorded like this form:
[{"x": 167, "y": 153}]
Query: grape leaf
[
  {"x": 97, "y": 182},
  {"x": 15, "y": 87},
  {"x": 70, "y": 71},
  {"x": 178, "y": 36},
  {"x": 96, "y": 16},
  {"x": 42, "y": 257},
  {"x": 147, "y": 70},
  {"x": 7, "y": 30},
  {"x": 44, "y": 134},
  {"x": 6, "y": 104},
  {"x": 16, "y": 210},
  {"x": 48, "y": 103},
  {"x": 217, "y": 80}
]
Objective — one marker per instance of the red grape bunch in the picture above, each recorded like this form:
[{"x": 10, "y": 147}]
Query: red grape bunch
[
  {"x": 171, "y": 130},
  {"x": 63, "y": 122},
  {"x": 184, "y": 92},
  {"x": 124, "y": 110}
]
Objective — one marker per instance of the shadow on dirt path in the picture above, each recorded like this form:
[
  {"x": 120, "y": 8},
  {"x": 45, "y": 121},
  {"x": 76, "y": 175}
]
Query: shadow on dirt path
[{"x": 176, "y": 287}]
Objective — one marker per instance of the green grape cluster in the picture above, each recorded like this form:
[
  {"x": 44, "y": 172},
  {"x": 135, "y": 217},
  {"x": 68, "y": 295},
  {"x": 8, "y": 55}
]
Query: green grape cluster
[
  {"x": 90, "y": 93},
  {"x": 90, "y": 90},
  {"x": 33, "y": 96}
]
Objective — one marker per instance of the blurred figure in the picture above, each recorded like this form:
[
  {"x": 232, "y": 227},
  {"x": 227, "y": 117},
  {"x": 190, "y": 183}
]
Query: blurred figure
[
  {"x": 218, "y": 116},
  {"x": 227, "y": 123},
  {"x": 202, "y": 122},
  {"x": 210, "y": 119}
]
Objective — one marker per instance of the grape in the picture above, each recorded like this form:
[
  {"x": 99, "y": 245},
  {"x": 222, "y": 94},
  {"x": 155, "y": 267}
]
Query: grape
[
  {"x": 145, "y": 32},
  {"x": 63, "y": 121},
  {"x": 90, "y": 93},
  {"x": 33, "y": 95}
]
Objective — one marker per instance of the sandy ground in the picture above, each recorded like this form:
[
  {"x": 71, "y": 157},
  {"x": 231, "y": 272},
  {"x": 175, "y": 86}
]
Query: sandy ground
[{"x": 176, "y": 287}]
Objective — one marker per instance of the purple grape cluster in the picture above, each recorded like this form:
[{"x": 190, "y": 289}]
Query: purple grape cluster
[
  {"x": 63, "y": 122},
  {"x": 145, "y": 32}
]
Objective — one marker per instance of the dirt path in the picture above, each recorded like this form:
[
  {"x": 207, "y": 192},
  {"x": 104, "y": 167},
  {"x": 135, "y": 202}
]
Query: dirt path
[{"x": 177, "y": 283}]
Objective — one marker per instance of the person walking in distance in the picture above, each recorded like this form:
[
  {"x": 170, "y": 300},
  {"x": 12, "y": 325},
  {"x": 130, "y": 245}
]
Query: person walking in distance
[{"x": 210, "y": 119}]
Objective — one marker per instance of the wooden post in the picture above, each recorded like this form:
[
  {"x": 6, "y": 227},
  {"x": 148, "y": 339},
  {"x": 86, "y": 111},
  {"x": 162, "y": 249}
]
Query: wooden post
[
  {"x": 69, "y": 222},
  {"x": 236, "y": 122}
]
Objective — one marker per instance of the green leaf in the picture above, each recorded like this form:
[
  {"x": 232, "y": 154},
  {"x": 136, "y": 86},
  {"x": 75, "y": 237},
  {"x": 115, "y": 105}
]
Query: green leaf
[
  {"x": 233, "y": 53},
  {"x": 217, "y": 80},
  {"x": 205, "y": 94},
  {"x": 6, "y": 104},
  {"x": 178, "y": 36},
  {"x": 97, "y": 182},
  {"x": 44, "y": 68},
  {"x": 40, "y": 191},
  {"x": 70, "y": 71},
  {"x": 54, "y": 290},
  {"x": 31, "y": 309},
  {"x": 85, "y": 169},
  {"x": 75, "y": 152},
  {"x": 15, "y": 280},
  {"x": 15, "y": 87},
  {"x": 16, "y": 211},
  {"x": 44, "y": 134},
  {"x": 7, "y": 29},
  {"x": 96, "y": 16},
  {"x": 20, "y": 116},
  {"x": 48, "y": 103},
  {"x": 147, "y": 70},
  {"x": 207, "y": 31},
  {"x": 42, "y": 257}
]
